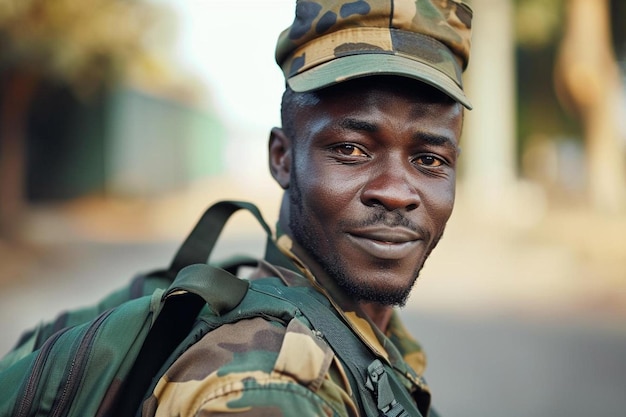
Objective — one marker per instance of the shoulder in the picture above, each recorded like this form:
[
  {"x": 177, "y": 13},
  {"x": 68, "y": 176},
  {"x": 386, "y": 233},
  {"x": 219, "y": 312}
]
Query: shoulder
[{"x": 257, "y": 366}]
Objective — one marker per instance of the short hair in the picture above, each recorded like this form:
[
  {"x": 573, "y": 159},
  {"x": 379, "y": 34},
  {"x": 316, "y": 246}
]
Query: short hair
[{"x": 291, "y": 102}]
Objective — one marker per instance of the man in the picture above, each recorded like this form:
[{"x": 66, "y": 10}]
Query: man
[{"x": 367, "y": 158}]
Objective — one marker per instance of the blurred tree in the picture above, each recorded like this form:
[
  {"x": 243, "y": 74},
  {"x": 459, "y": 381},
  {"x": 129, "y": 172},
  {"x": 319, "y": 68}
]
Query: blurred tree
[
  {"x": 618, "y": 28},
  {"x": 539, "y": 26},
  {"x": 569, "y": 84},
  {"x": 588, "y": 84},
  {"x": 86, "y": 44}
]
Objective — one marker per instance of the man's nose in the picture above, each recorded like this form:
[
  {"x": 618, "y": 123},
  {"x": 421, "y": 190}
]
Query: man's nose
[{"x": 393, "y": 186}]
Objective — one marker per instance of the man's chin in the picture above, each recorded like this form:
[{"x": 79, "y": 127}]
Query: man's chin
[{"x": 386, "y": 296}]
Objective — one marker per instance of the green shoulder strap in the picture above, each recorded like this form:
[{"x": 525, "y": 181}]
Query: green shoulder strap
[
  {"x": 199, "y": 244},
  {"x": 196, "y": 284},
  {"x": 194, "y": 287},
  {"x": 379, "y": 391}
]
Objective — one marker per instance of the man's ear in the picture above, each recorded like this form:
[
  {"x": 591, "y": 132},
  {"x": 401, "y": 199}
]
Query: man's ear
[{"x": 280, "y": 157}]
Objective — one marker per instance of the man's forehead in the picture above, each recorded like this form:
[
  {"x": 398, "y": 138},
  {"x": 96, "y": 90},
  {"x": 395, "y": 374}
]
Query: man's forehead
[
  {"x": 355, "y": 90},
  {"x": 374, "y": 111}
]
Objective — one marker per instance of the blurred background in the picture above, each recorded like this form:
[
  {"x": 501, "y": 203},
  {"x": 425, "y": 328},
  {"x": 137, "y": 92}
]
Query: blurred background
[{"x": 122, "y": 120}]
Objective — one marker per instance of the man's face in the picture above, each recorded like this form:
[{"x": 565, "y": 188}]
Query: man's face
[{"x": 372, "y": 184}]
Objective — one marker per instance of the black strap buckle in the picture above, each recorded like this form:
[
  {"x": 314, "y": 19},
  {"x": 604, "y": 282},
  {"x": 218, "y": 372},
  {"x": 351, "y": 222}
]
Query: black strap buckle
[{"x": 378, "y": 382}]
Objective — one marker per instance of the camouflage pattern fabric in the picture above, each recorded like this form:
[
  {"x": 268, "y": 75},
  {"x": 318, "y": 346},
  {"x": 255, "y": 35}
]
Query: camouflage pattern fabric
[
  {"x": 265, "y": 367},
  {"x": 335, "y": 40}
]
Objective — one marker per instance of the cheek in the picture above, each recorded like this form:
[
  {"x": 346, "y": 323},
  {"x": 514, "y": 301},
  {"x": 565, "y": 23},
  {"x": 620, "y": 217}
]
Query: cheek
[
  {"x": 441, "y": 202},
  {"x": 325, "y": 194},
  {"x": 326, "y": 187}
]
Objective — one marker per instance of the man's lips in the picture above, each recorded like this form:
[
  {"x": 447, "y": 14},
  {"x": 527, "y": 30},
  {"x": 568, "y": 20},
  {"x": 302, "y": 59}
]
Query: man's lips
[{"x": 385, "y": 242}]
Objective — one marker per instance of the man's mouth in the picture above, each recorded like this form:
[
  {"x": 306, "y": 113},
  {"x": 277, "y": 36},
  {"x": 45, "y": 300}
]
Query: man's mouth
[{"x": 386, "y": 242}]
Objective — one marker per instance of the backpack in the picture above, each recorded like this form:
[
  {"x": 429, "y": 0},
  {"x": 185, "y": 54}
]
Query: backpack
[{"x": 105, "y": 360}]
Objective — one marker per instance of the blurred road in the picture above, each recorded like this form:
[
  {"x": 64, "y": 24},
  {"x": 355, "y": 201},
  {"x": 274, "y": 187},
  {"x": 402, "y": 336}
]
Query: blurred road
[
  {"x": 511, "y": 323},
  {"x": 510, "y": 366}
]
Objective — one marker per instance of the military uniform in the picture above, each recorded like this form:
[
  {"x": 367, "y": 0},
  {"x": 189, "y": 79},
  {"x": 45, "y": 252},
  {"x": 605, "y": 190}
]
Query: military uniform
[{"x": 264, "y": 367}]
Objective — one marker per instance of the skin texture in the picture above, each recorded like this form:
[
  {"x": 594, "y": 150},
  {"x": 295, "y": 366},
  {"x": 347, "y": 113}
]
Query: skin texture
[{"x": 369, "y": 173}]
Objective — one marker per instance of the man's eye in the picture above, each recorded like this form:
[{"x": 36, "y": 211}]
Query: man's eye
[
  {"x": 429, "y": 161},
  {"x": 349, "y": 150}
]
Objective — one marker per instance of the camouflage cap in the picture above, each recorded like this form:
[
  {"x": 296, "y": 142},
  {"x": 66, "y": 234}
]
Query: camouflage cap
[{"x": 331, "y": 41}]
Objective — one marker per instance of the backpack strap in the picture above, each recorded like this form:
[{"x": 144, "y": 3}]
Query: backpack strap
[
  {"x": 379, "y": 393},
  {"x": 199, "y": 244},
  {"x": 195, "y": 284},
  {"x": 194, "y": 287}
]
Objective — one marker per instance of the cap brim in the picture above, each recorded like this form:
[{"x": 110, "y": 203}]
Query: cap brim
[{"x": 363, "y": 65}]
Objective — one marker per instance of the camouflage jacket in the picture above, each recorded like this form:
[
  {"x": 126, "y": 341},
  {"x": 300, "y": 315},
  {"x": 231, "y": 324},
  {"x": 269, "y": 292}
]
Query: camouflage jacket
[{"x": 262, "y": 367}]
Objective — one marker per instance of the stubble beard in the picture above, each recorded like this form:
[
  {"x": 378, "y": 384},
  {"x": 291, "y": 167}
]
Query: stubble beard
[{"x": 334, "y": 264}]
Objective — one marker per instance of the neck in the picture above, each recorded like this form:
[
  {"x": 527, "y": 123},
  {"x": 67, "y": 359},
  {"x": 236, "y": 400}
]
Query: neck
[{"x": 379, "y": 314}]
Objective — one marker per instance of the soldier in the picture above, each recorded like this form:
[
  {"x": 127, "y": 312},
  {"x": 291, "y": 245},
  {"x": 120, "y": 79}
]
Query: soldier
[{"x": 367, "y": 157}]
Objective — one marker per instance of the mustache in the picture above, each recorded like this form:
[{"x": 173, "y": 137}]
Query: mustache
[{"x": 382, "y": 217}]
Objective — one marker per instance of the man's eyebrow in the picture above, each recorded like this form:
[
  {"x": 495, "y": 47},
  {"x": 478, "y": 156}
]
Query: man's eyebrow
[
  {"x": 435, "y": 140},
  {"x": 358, "y": 125}
]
